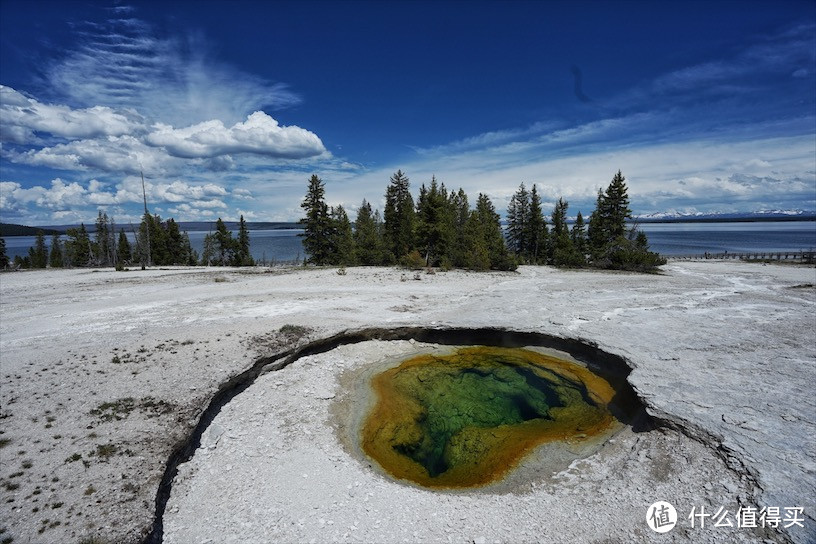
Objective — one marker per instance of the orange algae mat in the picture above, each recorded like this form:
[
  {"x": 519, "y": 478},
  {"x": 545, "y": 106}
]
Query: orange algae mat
[{"x": 466, "y": 419}]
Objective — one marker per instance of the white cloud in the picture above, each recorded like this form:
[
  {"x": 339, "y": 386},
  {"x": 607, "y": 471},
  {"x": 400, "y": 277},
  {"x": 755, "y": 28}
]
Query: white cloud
[
  {"x": 22, "y": 117},
  {"x": 59, "y": 196},
  {"x": 259, "y": 134}
]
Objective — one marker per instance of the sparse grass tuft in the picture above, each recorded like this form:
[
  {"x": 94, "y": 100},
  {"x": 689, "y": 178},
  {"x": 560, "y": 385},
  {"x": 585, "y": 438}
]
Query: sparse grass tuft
[
  {"x": 296, "y": 331},
  {"x": 117, "y": 410},
  {"x": 74, "y": 457},
  {"x": 105, "y": 451}
]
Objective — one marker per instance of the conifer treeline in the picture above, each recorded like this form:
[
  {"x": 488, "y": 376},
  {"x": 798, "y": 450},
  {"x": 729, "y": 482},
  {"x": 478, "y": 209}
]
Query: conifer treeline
[
  {"x": 442, "y": 230},
  {"x": 439, "y": 230},
  {"x": 157, "y": 242}
]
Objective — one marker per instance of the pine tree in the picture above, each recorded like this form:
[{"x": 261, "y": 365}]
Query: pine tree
[
  {"x": 224, "y": 244},
  {"x": 537, "y": 235},
  {"x": 518, "y": 212},
  {"x": 190, "y": 257},
  {"x": 578, "y": 236},
  {"x": 434, "y": 232},
  {"x": 598, "y": 232},
  {"x": 491, "y": 234},
  {"x": 123, "y": 251},
  {"x": 367, "y": 239},
  {"x": 78, "y": 246},
  {"x": 55, "y": 256},
  {"x": 244, "y": 257},
  {"x": 4, "y": 260},
  {"x": 399, "y": 216},
  {"x": 316, "y": 224},
  {"x": 476, "y": 255},
  {"x": 342, "y": 238},
  {"x": 38, "y": 254},
  {"x": 102, "y": 247},
  {"x": 617, "y": 206},
  {"x": 610, "y": 243},
  {"x": 563, "y": 250},
  {"x": 174, "y": 243},
  {"x": 460, "y": 213}
]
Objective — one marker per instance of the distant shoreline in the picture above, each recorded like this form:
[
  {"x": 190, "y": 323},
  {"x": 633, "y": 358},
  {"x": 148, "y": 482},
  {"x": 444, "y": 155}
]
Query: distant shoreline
[{"x": 9, "y": 230}]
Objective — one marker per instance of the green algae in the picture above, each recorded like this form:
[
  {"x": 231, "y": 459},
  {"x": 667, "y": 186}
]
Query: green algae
[{"x": 466, "y": 418}]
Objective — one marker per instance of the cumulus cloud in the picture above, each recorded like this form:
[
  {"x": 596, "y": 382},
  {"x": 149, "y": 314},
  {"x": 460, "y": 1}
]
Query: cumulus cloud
[
  {"x": 259, "y": 134},
  {"x": 63, "y": 195},
  {"x": 59, "y": 195},
  {"x": 114, "y": 154},
  {"x": 21, "y": 117}
]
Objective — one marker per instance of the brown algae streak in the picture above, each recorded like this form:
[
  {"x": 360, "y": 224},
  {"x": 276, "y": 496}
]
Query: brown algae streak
[{"x": 466, "y": 419}]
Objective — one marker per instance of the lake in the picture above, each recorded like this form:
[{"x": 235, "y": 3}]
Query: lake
[{"x": 284, "y": 245}]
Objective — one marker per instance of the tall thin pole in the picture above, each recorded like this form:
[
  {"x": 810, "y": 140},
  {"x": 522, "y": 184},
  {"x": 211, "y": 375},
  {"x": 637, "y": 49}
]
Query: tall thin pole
[{"x": 147, "y": 225}]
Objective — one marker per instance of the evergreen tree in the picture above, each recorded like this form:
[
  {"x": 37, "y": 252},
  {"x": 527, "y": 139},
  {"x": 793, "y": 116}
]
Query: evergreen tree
[
  {"x": 598, "y": 232},
  {"x": 38, "y": 255},
  {"x": 4, "y": 260},
  {"x": 244, "y": 257},
  {"x": 536, "y": 236},
  {"x": 578, "y": 236},
  {"x": 316, "y": 224},
  {"x": 460, "y": 214},
  {"x": 610, "y": 243},
  {"x": 174, "y": 244},
  {"x": 563, "y": 250},
  {"x": 399, "y": 216},
  {"x": 368, "y": 246},
  {"x": 490, "y": 231},
  {"x": 224, "y": 244},
  {"x": 189, "y": 255},
  {"x": 102, "y": 248},
  {"x": 342, "y": 238},
  {"x": 476, "y": 255},
  {"x": 55, "y": 256},
  {"x": 434, "y": 231},
  {"x": 518, "y": 212},
  {"x": 78, "y": 246},
  {"x": 123, "y": 250},
  {"x": 616, "y": 206}
]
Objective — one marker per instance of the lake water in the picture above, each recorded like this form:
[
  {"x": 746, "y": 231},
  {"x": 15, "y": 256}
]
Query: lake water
[{"x": 666, "y": 238}]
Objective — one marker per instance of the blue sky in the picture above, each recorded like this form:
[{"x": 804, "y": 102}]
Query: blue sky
[{"x": 229, "y": 107}]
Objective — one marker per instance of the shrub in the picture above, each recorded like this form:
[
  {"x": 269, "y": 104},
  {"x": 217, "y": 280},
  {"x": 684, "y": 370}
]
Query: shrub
[{"x": 413, "y": 261}]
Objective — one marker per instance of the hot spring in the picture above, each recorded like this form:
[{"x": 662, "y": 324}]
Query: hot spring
[{"x": 466, "y": 418}]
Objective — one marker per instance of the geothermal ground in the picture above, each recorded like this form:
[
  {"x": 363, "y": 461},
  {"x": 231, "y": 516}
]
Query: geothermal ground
[{"x": 103, "y": 374}]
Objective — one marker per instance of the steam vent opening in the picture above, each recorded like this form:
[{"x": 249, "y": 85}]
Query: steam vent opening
[{"x": 468, "y": 417}]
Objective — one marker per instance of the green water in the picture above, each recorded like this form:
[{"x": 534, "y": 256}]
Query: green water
[
  {"x": 474, "y": 397},
  {"x": 478, "y": 409}
]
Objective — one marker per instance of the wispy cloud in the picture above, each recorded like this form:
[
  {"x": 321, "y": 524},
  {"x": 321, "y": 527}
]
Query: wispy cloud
[{"x": 123, "y": 63}]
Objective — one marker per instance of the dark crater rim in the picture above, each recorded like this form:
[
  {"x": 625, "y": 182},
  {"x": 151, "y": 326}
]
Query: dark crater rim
[{"x": 626, "y": 406}]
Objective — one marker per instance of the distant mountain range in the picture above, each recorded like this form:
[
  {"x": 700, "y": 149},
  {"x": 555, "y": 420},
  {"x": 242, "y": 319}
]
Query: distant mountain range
[{"x": 764, "y": 215}]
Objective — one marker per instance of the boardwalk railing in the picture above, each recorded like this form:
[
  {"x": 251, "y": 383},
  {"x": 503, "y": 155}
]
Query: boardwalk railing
[{"x": 803, "y": 256}]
